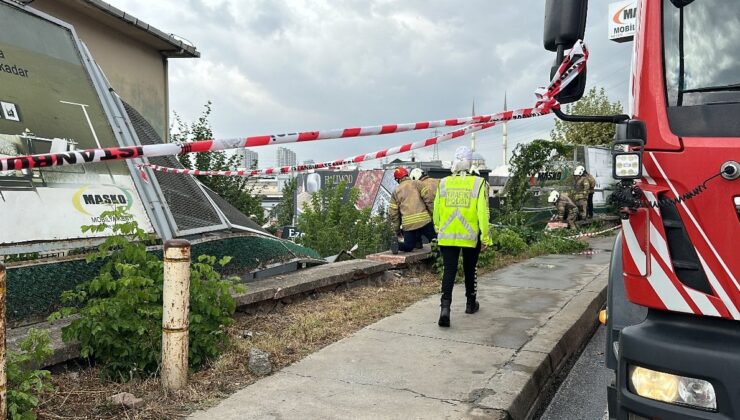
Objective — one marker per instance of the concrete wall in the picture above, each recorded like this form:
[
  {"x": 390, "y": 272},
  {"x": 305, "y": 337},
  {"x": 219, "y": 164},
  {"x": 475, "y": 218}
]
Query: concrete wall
[{"x": 136, "y": 71}]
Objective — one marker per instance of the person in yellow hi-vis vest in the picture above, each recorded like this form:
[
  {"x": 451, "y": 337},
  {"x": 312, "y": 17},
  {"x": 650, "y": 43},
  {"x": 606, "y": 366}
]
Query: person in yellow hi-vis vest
[{"x": 461, "y": 220}]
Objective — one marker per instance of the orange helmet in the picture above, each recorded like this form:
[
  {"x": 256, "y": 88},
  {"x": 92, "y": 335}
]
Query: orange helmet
[{"x": 400, "y": 173}]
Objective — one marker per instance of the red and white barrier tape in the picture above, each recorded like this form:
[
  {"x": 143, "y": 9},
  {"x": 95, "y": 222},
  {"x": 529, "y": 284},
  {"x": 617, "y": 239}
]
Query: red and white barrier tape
[
  {"x": 573, "y": 64},
  {"x": 591, "y": 234},
  {"x": 588, "y": 252},
  {"x": 577, "y": 56},
  {"x": 347, "y": 161}
]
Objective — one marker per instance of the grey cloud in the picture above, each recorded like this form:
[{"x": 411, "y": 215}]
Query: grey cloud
[{"x": 329, "y": 64}]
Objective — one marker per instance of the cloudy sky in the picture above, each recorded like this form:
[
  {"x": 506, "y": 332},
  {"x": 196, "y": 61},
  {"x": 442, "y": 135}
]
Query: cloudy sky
[{"x": 275, "y": 66}]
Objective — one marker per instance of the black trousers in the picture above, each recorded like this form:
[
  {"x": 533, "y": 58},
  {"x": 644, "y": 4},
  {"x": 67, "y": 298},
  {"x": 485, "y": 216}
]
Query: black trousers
[
  {"x": 590, "y": 211},
  {"x": 411, "y": 237},
  {"x": 450, "y": 256}
]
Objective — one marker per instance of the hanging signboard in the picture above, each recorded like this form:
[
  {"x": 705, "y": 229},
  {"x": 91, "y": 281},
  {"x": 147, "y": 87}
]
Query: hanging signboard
[
  {"x": 622, "y": 20},
  {"x": 50, "y": 105}
]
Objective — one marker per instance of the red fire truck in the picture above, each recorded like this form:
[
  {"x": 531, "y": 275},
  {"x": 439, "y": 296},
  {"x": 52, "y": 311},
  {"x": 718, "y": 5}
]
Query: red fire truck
[{"x": 673, "y": 303}]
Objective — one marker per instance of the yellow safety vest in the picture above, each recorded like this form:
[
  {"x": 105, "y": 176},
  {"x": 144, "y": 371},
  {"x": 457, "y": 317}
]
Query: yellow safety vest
[{"x": 461, "y": 211}]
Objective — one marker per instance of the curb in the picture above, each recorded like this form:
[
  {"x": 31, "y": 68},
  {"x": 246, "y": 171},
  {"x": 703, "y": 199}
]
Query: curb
[{"x": 539, "y": 361}]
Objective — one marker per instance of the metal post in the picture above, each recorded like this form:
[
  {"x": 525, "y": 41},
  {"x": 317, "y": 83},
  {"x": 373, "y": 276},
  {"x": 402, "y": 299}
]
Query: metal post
[
  {"x": 3, "y": 378},
  {"x": 176, "y": 302}
]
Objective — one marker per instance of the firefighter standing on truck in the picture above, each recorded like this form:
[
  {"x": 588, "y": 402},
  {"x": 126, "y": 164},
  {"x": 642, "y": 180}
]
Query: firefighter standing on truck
[
  {"x": 567, "y": 210},
  {"x": 408, "y": 213},
  {"x": 582, "y": 189},
  {"x": 461, "y": 219}
]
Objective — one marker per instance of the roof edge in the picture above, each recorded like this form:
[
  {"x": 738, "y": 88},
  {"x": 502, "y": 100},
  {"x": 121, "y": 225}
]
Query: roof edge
[{"x": 179, "y": 49}]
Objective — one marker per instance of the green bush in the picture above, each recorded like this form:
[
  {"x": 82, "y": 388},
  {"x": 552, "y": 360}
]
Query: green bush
[
  {"x": 120, "y": 323},
  {"x": 507, "y": 242},
  {"x": 555, "y": 244},
  {"x": 25, "y": 382},
  {"x": 331, "y": 223}
]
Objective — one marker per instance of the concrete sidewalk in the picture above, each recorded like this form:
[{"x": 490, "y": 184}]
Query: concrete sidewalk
[{"x": 492, "y": 364}]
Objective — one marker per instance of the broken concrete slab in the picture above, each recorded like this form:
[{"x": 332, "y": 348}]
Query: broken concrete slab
[
  {"x": 403, "y": 259},
  {"x": 310, "y": 279}
]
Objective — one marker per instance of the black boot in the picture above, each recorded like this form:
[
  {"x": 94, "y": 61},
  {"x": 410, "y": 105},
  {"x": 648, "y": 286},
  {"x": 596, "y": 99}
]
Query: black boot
[
  {"x": 472, "y": 306},
  {"x": 444, "y": 314},
  {"x": 394, "y": 246}
]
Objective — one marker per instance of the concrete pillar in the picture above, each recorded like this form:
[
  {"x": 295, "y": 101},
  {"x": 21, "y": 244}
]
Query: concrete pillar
[
  {"x": 176, "y": 302},
  {"x": 3, "y": 377}
]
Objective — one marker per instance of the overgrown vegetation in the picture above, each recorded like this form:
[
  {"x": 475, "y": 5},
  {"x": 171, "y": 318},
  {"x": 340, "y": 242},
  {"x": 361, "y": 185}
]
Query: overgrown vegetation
[
  {"x": 285, "y": 209},
  {"x": 526, "y": 161},
  {"x": 595, "y": 102},
  {"x": 238, "y": 191},
  {"x": 330, "y": 223},
  {"x": 120, "y": 310},
  {"x": 25, "y": 382}
]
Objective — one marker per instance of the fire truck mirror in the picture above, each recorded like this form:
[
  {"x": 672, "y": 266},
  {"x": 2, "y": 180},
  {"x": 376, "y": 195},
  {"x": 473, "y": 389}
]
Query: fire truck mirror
[
  {"x": 574, "y": 91},
  {"x": 565, "y": 23}
]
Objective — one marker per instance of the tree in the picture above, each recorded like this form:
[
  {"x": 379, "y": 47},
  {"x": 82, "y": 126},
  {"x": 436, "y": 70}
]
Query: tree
[
  {"x": 527, "y": 159},
  {"x": 595, "y": 102},
  {"x": 238, "y": 191},
  {"x": 331, "y": 223},
  {"x": 285, "y": 209}
]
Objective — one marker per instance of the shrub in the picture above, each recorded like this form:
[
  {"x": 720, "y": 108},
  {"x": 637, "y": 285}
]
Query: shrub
[
  {"x": 25, "y": 382},
  {"x": 331, "y": 223},
  {"x": 555, "y": 244},
  {"x": 507, "y": 242},
  {"x": 120, "y": 323}
]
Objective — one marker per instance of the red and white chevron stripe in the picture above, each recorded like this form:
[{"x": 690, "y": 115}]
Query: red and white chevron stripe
[{"x": 652, "y": 260}]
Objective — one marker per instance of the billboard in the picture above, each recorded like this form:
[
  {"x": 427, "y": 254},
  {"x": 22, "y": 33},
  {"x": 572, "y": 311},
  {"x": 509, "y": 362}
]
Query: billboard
[
  {"x": 622, "y": 20},
  {"x": 375, "y": 187},
  {"x": 49, "y": 104}
]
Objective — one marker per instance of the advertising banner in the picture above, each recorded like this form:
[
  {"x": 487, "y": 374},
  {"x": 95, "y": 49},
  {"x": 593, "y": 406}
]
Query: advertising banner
[
  {"x": 309, "y": 184},
  {"x": 622, "y": 20},
  {"x": 49, "y": 105}
]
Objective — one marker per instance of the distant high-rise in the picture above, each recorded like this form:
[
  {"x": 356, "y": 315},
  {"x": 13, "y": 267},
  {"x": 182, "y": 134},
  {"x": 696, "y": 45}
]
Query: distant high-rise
[
  {"x": 248, "y": 159},
  {"x": 285, "y": 157}
]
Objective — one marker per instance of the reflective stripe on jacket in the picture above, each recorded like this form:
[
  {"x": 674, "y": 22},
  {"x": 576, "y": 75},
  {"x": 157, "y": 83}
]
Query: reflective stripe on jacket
[
  {"x": 407, "y": 210},
  {"x": 461, "y": 211}
]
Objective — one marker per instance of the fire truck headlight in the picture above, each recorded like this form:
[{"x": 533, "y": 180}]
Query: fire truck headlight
[
  {"x": 672, "y": 389},
  {"x": 627, "y": 165}
]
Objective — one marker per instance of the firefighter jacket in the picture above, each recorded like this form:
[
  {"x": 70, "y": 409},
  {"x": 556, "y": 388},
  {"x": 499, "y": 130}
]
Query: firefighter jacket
[
  {"x": 583, "y": 186},
  {"x": 461, "y": 211},
  {"x": 592, "y": 183},
  {"x": 565, "y": 206},
  {"x": 429, "y": 191},
  {"x": 407, "y": 210}
]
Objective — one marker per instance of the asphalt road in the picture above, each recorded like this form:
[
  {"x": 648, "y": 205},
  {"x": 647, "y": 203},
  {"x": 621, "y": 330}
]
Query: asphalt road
[{"x": 582, "y": 395}]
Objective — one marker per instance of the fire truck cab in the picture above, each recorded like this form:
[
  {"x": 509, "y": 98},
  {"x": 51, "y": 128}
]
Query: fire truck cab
[{"x": 673, "y": 305}]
